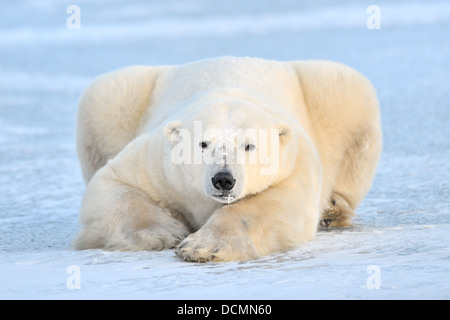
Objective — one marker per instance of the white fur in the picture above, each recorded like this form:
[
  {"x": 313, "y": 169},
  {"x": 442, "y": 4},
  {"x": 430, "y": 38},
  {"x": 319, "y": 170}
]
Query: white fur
[{"x": 139, "y": 197}]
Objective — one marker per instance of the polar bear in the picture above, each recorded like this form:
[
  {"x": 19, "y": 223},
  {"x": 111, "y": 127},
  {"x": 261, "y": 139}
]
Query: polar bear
[{"x": 224, "y": 159}]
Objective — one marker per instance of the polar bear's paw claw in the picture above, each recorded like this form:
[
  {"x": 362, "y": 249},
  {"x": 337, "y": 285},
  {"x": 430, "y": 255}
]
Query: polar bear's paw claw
[
  {"x": 338, "y": 214},
  {"x": 192, "y": 251},
  {"x": 217, "y": 244}
]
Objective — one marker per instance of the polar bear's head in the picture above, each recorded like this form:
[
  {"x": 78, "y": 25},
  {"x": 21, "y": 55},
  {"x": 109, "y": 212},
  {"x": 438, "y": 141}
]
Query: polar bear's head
[{"x": 230, "y": 148}]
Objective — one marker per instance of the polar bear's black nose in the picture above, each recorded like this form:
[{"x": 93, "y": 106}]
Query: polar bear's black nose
[{"x": 223, "y": 181}]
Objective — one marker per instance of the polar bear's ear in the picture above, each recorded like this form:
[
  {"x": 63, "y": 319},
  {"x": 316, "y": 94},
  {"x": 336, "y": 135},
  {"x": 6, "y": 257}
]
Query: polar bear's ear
[
  {"x": 172, "y": 131},
  {"x": 285, "y": 132}
]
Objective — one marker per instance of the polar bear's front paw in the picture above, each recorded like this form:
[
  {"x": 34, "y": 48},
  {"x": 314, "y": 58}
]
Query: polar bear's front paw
[
  {"x": 156, "y": 240},
  {"x": 194, "y": 249},
  {"x": 216, "y": 244},
  {"x": 159, "y": 237}
]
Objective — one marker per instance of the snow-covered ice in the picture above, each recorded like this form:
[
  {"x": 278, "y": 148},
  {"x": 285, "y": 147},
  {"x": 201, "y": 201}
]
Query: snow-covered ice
[{"x": 401, "y": 235}]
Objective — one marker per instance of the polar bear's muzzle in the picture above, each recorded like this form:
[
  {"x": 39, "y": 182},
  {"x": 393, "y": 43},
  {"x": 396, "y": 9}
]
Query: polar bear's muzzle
[
  {"x": 223, "y": 185},
  {"x": 223, "y": 181}
]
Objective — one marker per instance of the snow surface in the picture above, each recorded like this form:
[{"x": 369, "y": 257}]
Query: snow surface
[{"x": 402, "y": 228}]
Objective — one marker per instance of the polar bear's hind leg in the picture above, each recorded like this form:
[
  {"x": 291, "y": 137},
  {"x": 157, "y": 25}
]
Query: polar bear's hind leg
[
  {"x": 354, "y": 179},
  {"x": 338, "y": 214}
]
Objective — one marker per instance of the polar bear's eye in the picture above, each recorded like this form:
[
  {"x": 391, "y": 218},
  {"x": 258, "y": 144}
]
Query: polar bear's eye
[
  {"x": 203, "y": 144},
  {"x": 249, "y": 147}
]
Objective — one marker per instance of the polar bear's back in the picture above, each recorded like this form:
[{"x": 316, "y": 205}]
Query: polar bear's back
[
  {"x": 271, "y": 81},
  {"x": 117, "y": 106}
]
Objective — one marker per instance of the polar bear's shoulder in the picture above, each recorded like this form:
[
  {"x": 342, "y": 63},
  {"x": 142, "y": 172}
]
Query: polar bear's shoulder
[{"x": 109, "y": 113}]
